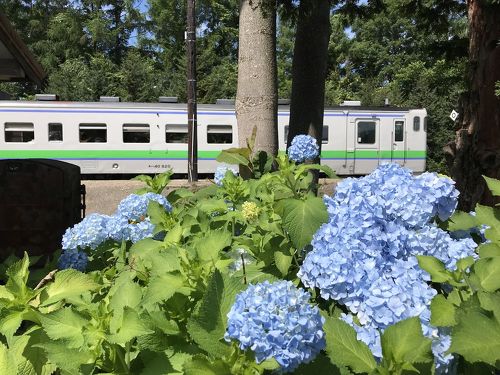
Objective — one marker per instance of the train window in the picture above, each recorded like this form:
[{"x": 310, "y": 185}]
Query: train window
[
  {"x": 416, "y": 123},
  {"x": 399, "y": 131},
  {"x": 425, "y": 123},
  {"x": 176, "y": 134},
  {"x": 219, "y": 134},
  {"x": 55, "y": 132},
  {"x": 93, "y": 133},
  {"x": 136, "y": 133},
  {"x": 19, "y": 132},
  {"x": 366, "y": 132},
  {"x": 324, "y": 136}
]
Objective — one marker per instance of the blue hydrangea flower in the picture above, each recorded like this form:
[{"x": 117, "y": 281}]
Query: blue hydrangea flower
[
  {"x": 303, "y": 147},
  {"x": 135, "y": 207},
  {"x": 368, "y": 334},
  {"x": 445, "y": 363},
  {"x": 72, "y": 258},
  {"x": 365, "y": 256},
  {"x": 276, "y": 320},
  {"x": 220, "y": 173},
  {"x": 90, "y": 232}
]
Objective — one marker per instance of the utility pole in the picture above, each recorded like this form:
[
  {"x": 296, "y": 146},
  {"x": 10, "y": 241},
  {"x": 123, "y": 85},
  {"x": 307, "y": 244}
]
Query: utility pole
[{"x": 191, "y": 92}]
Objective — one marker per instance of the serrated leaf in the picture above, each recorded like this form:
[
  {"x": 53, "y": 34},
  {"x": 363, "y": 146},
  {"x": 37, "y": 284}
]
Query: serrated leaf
[
  {"x": 67, "y": 283},
  {"x": 493, "y": 185},
  {"x": 461, "y": 221},
  {"x": 154, "y": 363},
  {"x": 201, "y": 365},
  {"x": 434, "y": 267},
  {"x": 208, "y": 324},
  {"x": 128, "y": 293},
  {"x": 68, "y": 360},
  {"x": 36, "y": 355},
  {"x": 487, "y": 250},
  {"x": 209, "y": 246},
  {"x": 302, "y": 218},
  {"x": 174, "y": 235},
  {"x": 476, "y": 336},
  {"x": 10, "y": 321},
  {"x": 490, "y": 302},
  {"x": 17, "y": 274},
  {"x": 491, "y": 217},
  {"x": 162, "y": 288},
  {"x": 488, "y": 272},
  {"x": 283, "y": 262},
  {"x": 157, "y": 213},
  {"x": 132, "y": 326},
  {"x": 235, "y": 156},
  {"x": 404, "y": 342},
  {"x": 442, "y": 312},
  {"x": 65, "y": 324},
  {"x": 177, "y": 194},
  {"x": 8, "y": 365},
  {"x": 345, "y": 349}
]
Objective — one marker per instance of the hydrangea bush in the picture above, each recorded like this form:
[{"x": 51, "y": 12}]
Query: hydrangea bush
[{"x": 303, "y": 147}]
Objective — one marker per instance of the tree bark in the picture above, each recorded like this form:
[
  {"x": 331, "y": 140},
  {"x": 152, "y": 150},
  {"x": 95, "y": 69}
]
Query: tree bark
[
  {"x": 309, "y": 70},
  {"x": 476, "y": 150},
  {"x": 257, "y": 92}
]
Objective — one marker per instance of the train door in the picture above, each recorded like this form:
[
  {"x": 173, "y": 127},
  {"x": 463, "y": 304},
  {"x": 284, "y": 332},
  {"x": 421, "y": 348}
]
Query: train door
[
  {"x": 398, "y": 147},
  {"x": 366, "y": 145}
]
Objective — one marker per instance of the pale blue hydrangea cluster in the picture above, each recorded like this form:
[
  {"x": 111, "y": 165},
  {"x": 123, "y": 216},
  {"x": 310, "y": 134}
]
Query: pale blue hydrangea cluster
[
  {"x": 130, "y": 223},
  {"x": 364, "y": 257},
  {"x": 276, "y": 320},
  {"x": 220, "y": 173},
  {"x": 73, "y": 259},
  {"x": 303, "y": 147}
]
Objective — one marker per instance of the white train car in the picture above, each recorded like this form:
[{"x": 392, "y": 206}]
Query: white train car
[{"x": 135, "y": 138}]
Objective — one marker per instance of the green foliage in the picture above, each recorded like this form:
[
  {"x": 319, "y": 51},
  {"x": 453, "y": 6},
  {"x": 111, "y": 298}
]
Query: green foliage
[{"x": 155, "y": 184}]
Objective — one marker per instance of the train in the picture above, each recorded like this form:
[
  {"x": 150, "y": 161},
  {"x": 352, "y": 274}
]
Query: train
[{"x": 111, "y": 137}]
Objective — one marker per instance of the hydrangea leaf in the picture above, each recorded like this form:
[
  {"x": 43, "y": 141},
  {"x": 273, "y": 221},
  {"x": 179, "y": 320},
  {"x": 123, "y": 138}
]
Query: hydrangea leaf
[
  {"x": 201, "y": 365},
  {"x": 178, "y": 194},
  {"x": 157, "y": 213},
  {"x": 490, "y": 302},
  {"x": 493, "y": 185},
  {"x": 65, "y": 324},
  {"x": 17, "y": 274},
  {"x": 302, "y": 218},
  {"x": 489, "y": 250},
  {"x": 434, "y": 267},
  {"x": 128, "y": 293},
  {"x": 488, "y": 272},
  {"x": 10, "y": 321},
  {"x": 162, "y": 288},
  {"x": 489, "y": 216},
  {"x": 235, "y": 156},
  {"x": 283, "y": 262},
  {"x": 153, "y": 363},
  {"x": 345, "y": 349},
  {"x": 461, "y": 221},
  {"x": 442, "y": 312},
  {"x": 208, "y": 324},
  {"x": 67, "y": 283},
  {"x": 476, "y": 336},
  {"x": 209, "y": 246},
  {"x": 404, "y": 342},
  {"x": 132, "y": 326},
  {"x": 70, "y": 361},
  {"x": 35, "y": 354},
  {"x": 321, "y": 365},
  {"x": 8, "y": 365}
]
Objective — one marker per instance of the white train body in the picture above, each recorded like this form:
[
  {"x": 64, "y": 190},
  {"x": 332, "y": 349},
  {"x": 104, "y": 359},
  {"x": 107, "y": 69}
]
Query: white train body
[{"x": 135, "y": 138}]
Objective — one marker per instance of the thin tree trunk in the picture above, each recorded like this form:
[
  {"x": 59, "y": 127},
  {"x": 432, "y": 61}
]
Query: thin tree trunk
[
  {"x": 476, "y": 150},
  {"x": 257, "y": 98},
  {"x": 309, "y": 69}
]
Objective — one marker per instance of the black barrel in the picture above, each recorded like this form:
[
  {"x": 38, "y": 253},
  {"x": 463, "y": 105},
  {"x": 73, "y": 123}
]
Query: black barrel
[{"x": 39, "y": 199}]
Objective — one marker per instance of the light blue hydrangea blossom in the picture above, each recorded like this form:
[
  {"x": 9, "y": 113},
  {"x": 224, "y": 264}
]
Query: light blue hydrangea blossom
[
  {"x": 364, "y": 257},
  {"x": 303, "y": 147},
  {"x": 220, "y": 173},
  {"x": 129, "y": 223},
  {"x": 73, "y": 259},
  {"x": 276, "y": 320}
]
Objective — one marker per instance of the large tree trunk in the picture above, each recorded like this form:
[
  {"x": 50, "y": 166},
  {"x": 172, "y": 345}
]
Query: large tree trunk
[
  {"x": 476, "y": 150},
  {"x": 309, "y": 69},
  {"x": 257, "y": 93}
]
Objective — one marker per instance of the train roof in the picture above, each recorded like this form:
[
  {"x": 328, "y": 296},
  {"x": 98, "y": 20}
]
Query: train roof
[{"x": 178, "y": 106}]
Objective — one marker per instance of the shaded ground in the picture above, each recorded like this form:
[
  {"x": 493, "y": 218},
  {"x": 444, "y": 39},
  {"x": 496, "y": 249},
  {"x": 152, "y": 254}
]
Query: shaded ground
[{"x": 103, "y": 196}]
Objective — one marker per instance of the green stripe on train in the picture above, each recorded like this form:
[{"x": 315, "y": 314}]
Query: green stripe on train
[{"x": 171, "y": 154}]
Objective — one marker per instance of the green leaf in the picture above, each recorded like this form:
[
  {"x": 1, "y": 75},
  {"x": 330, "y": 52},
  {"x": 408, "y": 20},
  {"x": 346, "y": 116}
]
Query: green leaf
[
  {"x": 465, "y": 263},
  {"x": 162, "y": 288},
  {"x": 201, "y": 365},
  {"x": 127, "y": 293},
  {"x": 209, "y": 246},
  {"x": 302, "y": 218},
  {"x": 442, "y": 312},
  {"x": 345, "y": 349},
  {"x": 234, "y": 156},
  {"x": 10, "y": 321},
  {"x": 174, "y": 235},
  {"x": 34, "y": 354},
  {"x": 208, "y": 324},
  {"x": 8, "y": 365},
  {"x": 488, "y": 272},
  {"x": 404, "y": 342},
  {"x": 178, "y": 194},
  {"x": 157, "y": 213},
  {"x": 17, "y": 275},
  {"x": 68, "y": 360},
  {"x": 493, "y": 185},
  {"x": 490, "y": 302},
  {"x": 65, "y": 324},
  {"x": 434, "y": 267},
  {"x": 491, "y": 217},
  {"x": 132, "y": 326},
  {"x": 487, "y": 250},
  {"x": 283, "y": 262},
  {"x": 67, "y": 283},
  {"x": 461, "y": 221},
  {"x": 476, "y": 336}
]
